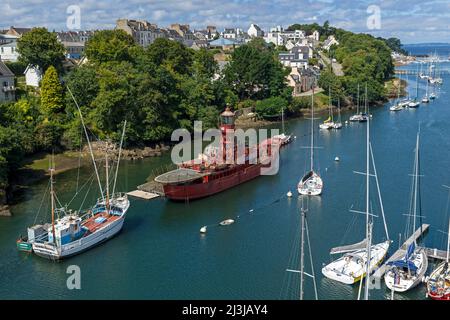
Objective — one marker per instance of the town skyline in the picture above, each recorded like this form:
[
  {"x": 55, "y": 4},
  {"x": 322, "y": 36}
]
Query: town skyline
[{"x": 385, "y": 19}]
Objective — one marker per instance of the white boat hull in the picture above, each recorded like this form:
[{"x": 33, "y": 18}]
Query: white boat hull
[
  {"x": 349, "y": 271},
  {"x": 310, "y": 185},
  {"x": 49, "y": 251},
  {"x": 405, "y": 284}
]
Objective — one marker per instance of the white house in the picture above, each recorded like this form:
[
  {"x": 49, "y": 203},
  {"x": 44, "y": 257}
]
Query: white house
[
  {"x": 331, "y": 40},
  {"x": 8, "y": 52},
  {"x": 280, "y": 37},
  {"x": 255, "y": 31},
  {"x": 33, "y": 76},
  {"x": 7, "y": 88}
]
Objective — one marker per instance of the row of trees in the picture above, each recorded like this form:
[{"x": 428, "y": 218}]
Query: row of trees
[{"x": 156, "y": 89}]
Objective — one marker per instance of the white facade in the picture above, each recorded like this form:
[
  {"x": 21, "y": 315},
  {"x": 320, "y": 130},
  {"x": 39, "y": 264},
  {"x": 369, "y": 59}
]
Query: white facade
[
  {"x": 8, "y": 52},
  {"x": 255, "y": 31},
  {"x": 280, "y": 37},
  {"x": 329, "y": 42},
  {"x": 33, "y": 76}
]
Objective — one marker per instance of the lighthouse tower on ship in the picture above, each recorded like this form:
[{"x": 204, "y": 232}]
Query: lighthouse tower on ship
[{"x": 193, "y": 180}]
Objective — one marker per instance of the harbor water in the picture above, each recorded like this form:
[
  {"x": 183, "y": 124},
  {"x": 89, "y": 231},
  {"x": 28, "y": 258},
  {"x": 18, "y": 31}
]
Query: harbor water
[{"x": 160, "y": 253}]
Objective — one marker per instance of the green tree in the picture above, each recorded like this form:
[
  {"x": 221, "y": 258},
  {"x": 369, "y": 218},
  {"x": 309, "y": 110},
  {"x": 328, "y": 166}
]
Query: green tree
[
  {"x": 41, "y": 48},
  {"x": 52, "y": 101},
  {"x": 271, "y": 106},
  {"x": 110, "y": 45}
]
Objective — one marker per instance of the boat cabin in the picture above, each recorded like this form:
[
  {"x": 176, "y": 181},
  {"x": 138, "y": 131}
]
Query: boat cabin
[{"x": 67, "y": 229}]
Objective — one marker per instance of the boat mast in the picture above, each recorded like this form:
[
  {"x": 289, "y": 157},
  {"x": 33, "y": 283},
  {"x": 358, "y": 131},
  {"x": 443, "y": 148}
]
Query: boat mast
[
  {"x": 52, "y": 199},
  {"x": 448, "y": 243},
  {"x": 416, "y": 176},
  {"x": 282, "y": 119},
  {"x": 368, "y": 225},
  {"x": 357, "y": 103},
  {"x": 312, "y": 129},
  {"x": 417, "y": 83},
  {"x": 302, "y": 253},
  {"x": 107, "y": 180},
  {"x": 88, "y": 141},
  {"x": 118, "y": 158}
]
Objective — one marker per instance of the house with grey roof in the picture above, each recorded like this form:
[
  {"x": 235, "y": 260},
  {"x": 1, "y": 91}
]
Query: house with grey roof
[
  {"x": 7, "y": 92},
  {"x": 18, "y": 32},
  {"x": 297, "y": 57},
  {"x": 255, "y": 31}
]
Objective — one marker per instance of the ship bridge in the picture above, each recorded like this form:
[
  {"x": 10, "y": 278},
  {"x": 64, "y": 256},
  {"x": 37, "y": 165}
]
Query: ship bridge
[{"x": 179, "y": 176}]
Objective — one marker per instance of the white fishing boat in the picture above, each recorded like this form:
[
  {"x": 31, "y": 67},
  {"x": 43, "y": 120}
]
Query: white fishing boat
[
  {"x": 311, "y": 183},
  {"x": 226, "y": 222},
  {"x": 72, "y": 232},
  {"x": 406, "y": 273},
  {"x": 359, "y": 260}
]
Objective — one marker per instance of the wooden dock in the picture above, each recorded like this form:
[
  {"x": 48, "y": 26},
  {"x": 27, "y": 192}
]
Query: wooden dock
[
  {"x": 400, "y": 253},
  {"x": 143, "y": 194},
  {"x": 437, "y": 254}
]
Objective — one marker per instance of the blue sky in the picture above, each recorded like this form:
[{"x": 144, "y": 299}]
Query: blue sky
[{"x": 412, "y": 21}]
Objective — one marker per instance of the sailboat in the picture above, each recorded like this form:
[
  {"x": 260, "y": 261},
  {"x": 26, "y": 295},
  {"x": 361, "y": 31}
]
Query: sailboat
[
  {"x": 397, "y": 106},
  {"x": 365, "y": 115},
  {"x": 328, "y": 123},
  {"x": 425, "y": 99},
  {"x": 415, "y": 103},
  {"x": 311, "y": 183},
  {"x": 406, "y": 273},
  {"x": 359, "y": 260},
  {"x": 282, "y": 137},
  {"x": 338, "y": 124},
  {"x": 70, "y": 232},
  {"x": 438, "y": 284},
  {"x": 357, "y": 116}
]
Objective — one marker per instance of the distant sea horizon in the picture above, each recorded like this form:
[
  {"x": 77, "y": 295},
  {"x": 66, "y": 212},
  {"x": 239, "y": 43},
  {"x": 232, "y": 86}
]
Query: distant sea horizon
[{"x": 441, "y": 49}]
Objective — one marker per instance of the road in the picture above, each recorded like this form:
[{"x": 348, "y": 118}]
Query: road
[{"x": 337, "y": 68}]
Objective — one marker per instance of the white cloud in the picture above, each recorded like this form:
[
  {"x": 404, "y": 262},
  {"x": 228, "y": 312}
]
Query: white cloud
[{"x": 413, "y": 22}]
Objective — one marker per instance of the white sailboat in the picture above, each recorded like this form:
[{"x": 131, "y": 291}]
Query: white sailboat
[
  {"x": 338, "y": 124},
  {"x": 283, "y": 138},
  {"x": 360, "y": 259},
  {"x": 397, "y": 106},
  {"x": 425, "y": 99},
  {"x": 311, "y": 183},
  {"x": 365, "y": 115},
  {"x": 415, "y": 102},
  {"x": 408, "y": 272},
  {"x": 357, "y": 116},
  {"x": 328, "y": 123}
]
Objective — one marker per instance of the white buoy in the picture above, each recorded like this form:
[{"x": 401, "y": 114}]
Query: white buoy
[
  {"x": 203, "y": 229},
  {"x": 289, "y": 194},
  {"x": 346, "y": 122},
  {"x": 336, "y": 159}
]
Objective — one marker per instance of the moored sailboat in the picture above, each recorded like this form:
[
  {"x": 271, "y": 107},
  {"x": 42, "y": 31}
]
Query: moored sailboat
[
  {"x": 311, "y": 183},
  {"x": 360, "y": 259},
  {"x": 406, "y": 273}
]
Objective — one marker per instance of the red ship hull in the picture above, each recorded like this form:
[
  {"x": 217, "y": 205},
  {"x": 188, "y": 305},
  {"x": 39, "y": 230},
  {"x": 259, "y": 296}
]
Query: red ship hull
[
  {"x": 439, "y": 297},
  {"x": 215, "y": 183}
]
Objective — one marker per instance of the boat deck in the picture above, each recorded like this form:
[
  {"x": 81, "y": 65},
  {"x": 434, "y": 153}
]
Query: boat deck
[
  {"x": 93, "y": 226},
  {"x": 400, "y": 253}
]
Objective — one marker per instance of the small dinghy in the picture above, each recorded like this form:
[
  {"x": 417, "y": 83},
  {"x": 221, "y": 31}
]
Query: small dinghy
[
  {"x": 203, "y": 229},
  {"x": 227, "y": 222}
]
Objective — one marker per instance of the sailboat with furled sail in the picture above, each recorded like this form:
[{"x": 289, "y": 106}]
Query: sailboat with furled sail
[
  {"x": 283, "y": 138},
  {"x": 406, "y": 273},
  {"x": 359, "y": 260},
  {"x": 70, "y": 232},
  {"x": 311, "y": 183}
]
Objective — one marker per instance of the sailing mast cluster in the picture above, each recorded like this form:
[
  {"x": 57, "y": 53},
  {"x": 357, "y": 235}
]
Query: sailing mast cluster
[{"x": 69, "y": 232}]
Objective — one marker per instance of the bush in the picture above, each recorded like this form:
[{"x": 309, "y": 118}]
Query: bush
[{"x": 271, "y": 107}]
